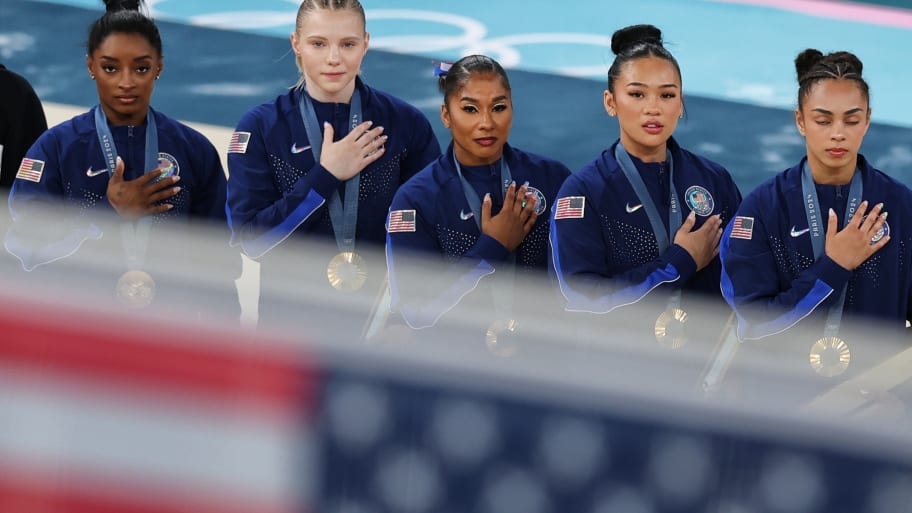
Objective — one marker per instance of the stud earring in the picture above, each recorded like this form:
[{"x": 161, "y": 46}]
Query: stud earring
[{"x": 92, "y": 75}]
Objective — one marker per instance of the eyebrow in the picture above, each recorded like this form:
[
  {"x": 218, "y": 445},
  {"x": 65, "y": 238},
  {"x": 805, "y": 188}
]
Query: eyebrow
[
  {"x": 468, "y": 99},
  {"x": 640, "y": 84},
  {"x": 115, "y": 59},
  {"x": 856, "y": 110}
]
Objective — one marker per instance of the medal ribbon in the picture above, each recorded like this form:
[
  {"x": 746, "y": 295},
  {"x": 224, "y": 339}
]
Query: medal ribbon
[
  {"x": 675, "y": 220},
  {"x": 503, "y": 289},
  {"x": 818, "y": 238},
  {"x": 136, "y": 234},
  {"x": 344, "y": 218}
]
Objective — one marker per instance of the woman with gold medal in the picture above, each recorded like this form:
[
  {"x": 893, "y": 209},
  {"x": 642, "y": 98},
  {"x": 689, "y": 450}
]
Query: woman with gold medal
[
  {"x": 477, "y": 214},
  {"x": 126, "y": 159},
  {"x": 312, "y": 173},
  {"x": 811, "y": 263},
  {"x": 638, "y": 235}
]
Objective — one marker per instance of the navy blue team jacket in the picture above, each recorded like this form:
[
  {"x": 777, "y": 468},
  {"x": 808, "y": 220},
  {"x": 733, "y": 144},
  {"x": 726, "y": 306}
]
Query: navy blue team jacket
[
  {"x": 277, "y": 188},
  {"x": 604, "y": 252},
  {"x": 771, "y": 278},
  {"x": 66, "y": 163},
  {"x": 438, "y": 221}
]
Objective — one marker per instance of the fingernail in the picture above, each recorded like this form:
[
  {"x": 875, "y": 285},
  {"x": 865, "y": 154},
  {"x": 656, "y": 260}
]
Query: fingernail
[
  {"x": 692, "y": 214},
  {"x": 832, "y": 213},
  {"x": 170, "y": 206},
  {"x": 884, "y": 215},
  {"x": 526, "y": 183},
  {"x": 488, "y": 197},
  {"x": 369, "y": 122},
  {"x": 880, "y": 205},
  {"x": 177, "y": 178},
  {"x": 119, "y": 159},
  {"x": 326, "y": 124},
  {"x": 176, "y": 190}
]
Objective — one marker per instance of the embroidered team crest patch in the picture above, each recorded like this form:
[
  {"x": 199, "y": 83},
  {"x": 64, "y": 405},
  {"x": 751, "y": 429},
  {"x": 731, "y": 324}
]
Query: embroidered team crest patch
[
  {"x": 571, "y": 207},
  {"x": 881, "y": 233},
  {"x": 168, "y": 165},
  {"x": 238, "y": 142},
  {"x": 30, "y": 170},
  {"x": 401, "y": 221},
  {"x": 699, "y": 200},
  {"x": 742, "y": 228},
  {"x": 532, "y": 192}
]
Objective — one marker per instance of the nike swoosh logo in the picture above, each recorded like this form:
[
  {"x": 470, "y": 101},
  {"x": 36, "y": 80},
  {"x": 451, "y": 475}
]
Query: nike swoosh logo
[
  {"x": 465, "y": 216},
  {"x": 92, "y": 173},
  {"x": 799, "y": 233},
  {"x": 633, "y": 209},
  {"x": 295, "y": 149}
]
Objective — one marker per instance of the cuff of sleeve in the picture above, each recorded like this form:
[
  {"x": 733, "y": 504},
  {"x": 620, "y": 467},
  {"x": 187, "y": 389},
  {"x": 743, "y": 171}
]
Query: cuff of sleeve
[
  {"x": 324, "y": 183},
  {"x": 682, "y": 261},
  {"x": 831, "y": 273},
  {"x": 487, "y": 248}
]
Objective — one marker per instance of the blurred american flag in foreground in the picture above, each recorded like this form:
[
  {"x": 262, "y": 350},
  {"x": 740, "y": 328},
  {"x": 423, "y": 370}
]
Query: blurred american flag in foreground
[{"x": 103, "y": 412}]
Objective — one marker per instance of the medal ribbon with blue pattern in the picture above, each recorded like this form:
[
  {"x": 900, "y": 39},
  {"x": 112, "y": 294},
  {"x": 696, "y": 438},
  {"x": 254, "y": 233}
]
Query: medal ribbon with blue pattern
[
  {"x": 818, "y": 238},
  {"x": 675, "y": 220},
  {"x": 344, "y": 218},
  {"x": 503, "y": 289},
  {"x": 135, "y": 235}
]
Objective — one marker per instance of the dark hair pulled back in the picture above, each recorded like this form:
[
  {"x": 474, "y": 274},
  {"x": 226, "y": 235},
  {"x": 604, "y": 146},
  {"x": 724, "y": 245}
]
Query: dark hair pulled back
[
  {"x": 125, "y": 17},
  {"x": 636, "y": 42},
  {"x": 462, "y": 70},
  {"x": 812, "y": 66}
]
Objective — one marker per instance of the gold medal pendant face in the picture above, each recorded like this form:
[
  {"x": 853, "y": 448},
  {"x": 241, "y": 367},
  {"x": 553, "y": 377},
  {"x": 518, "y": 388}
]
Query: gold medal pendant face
[
  {"x": 500, "y": 338},
  {"x": 830, "y": 356},
  {"x": 669, "y": 328},
  {"x": 347, "y": 271},
  {"x": 135, "y": 289}
]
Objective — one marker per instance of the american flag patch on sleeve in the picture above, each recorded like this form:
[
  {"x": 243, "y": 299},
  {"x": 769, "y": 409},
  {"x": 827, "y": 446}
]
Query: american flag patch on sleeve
[
  {"x": 571, "y": 207},
  {"x": 238, "y": 142},
  {"x": 30, "y": 170},
  {"x": 742, "y": 228},
  {"x": 401, "y": 221}
]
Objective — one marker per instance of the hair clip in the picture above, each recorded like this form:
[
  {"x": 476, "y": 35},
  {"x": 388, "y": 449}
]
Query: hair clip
[{"x": 442, "y": 68}]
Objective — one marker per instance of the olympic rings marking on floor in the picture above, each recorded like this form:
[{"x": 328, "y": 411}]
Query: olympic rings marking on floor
[{"x": 472, "y": 36}]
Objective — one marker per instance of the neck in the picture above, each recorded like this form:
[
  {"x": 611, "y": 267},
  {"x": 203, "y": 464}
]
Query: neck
[
  {"x": 116, "y": 119},
  {"x": 645, "y": 153},
  {"x": 342, "y": 96},
  {"x": 826, "y": 175},
  {"x": 467, "y": 159}
]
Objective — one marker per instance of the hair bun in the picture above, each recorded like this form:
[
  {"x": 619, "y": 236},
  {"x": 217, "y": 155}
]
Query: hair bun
[
  {"x": 122, "y": 5},
  {"x": 633, "y": 35},
  {"x": 806, "y": 60},
  {"x": 846, "y": 59}
]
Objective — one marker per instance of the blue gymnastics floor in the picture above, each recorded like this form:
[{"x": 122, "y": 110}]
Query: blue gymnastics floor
[{"x": 224, "y": 56}]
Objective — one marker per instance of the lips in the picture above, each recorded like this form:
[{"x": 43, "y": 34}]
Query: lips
[
  {"x": 127, "y": 100},
  {"x": 653, "y": 127},
  {"x": 486, "y": 141},
  {"x": 334, "y": 76},
  {"x": 837, "y": 152}
]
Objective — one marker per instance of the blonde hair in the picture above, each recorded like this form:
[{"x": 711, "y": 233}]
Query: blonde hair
[{"x": 308, "y": 6}]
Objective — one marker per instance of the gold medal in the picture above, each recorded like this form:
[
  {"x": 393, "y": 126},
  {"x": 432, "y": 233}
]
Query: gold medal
[
  {"x": 830, "y": 356},
  {"x": 500, "y": 338},
  {"x": 135, "y": 289},
  {"x": 347, "y": 271},
  {"x": 669, "y": 328}
]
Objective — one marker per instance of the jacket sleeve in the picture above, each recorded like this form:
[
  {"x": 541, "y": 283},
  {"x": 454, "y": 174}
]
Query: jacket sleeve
[
  {"x": 42, "y": 230},
  {"x": 579, "y": 253},
  {"x": 424, "y": 147},
  {"x": 765, "y": 301},
  {"x": 260, "y": 215},
  {"x": 422, "y": 293}
]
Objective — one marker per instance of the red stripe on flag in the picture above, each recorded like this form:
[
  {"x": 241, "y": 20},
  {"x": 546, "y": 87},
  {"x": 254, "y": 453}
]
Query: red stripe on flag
[
  {"x": 29, "y": 491},
  {"x": 130, "y": 351}
]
